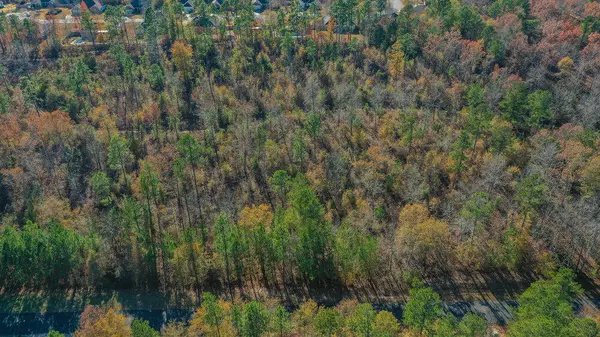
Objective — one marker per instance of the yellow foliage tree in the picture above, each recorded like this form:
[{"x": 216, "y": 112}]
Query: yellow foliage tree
[
  {"x": 250, "y": 217},
  {"x": 54, "y": 208},
  {"x": 182, "y": 56},
  {"x": 386, "y": 324},
  {"x": 190, "y": 264},
  {"x": 421, "y": 240},
  {"x": 396, "y": 61},
  {"x": 566, "y": 65},
  {"x": 104, "y": 123},
  {"x": 97, "y": 322},
  {"x": 202, "y": 324},
  {"x": 302, "y": 319},
  {"x": 590, "y": 177}
]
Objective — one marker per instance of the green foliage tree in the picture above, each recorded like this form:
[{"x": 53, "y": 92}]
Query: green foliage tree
[
  {"x": 313, "y": 232},
  {"x": 458, "y": 154},
  {"x": 479, "y": 116},
  {"x": 151, "y": 34},
  {"x": 239, "y": 251},
  {"x": 545, "y": 309},
  {"x": 262, "y": 249},
  {"x": 156, "y": 77},
  {"x": 440, "y": 7},
  {"x": 282, "y": 241},
  {"x": 54, "y": 255},
  {"x": 313, "y": 127},
  {"x": 362, "y": 320},
  {"x": 501, "y": 7},
  {"x": 342, "y": 12},
  {"x": 501, "y": 137},
  {"x": 255, "y": 320},
  {"x": 214, "y": 313},
  {"x": 355, "y": 254},
  {"x": 280, "y": 321},
  {"x": 131, "y": 215},
  {"x": 193, "y": 154},
  {"x": 224, "y": 245},
  {"x": 151, "y": 189},
  {"x": 280, "y": 182},
  {"x": 87, "y": 22},
  {"x": 208, "y": 58},
  {"x": 114, "y": 21},
  {"x": 445, "y": 326},
  {"x": 538, "y": 106},
  {"x": 513, "y": 105},
  {"x": 472, "y": 325},
  {"x": 119, "y": 156},
  {"x": 79, "y": 77},
  {"x": 100, "y": 184},
  {"x": 470, "y": 23},
  {"x": 478, "y": 209},
  {"x": 531, "y": 193},
  {"x": 141, "y": 328},
  {"x": 328, "y": 321},
  {"x": 422, "y": 309}
]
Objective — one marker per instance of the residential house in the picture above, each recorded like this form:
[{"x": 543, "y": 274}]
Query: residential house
[
  {"x": 187, "y": 6},
  {"x": 257, "y": 5},
  {"x": 305, "y": 4},
  {"x": 76, "y": 10},
  {"x": 94, "y": 6}
]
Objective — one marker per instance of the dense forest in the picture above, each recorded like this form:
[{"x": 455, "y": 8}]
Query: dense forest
[{"x": 330, "y": 147}]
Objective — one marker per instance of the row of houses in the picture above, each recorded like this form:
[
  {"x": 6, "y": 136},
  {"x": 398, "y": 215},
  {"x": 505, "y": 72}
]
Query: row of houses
[
  {"x": 189, "y": 8},
  {"x": 95, "y": 6},
  {"x": 98, "y": 6}
]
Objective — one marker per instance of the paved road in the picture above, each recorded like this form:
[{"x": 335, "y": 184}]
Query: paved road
[
  {"x": 37, "y": 324},
  {"x": 494, "y": 312}
]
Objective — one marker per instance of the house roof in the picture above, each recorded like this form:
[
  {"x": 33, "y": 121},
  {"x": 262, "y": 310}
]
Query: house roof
[
  {"x": 88, "y": 3},
  {"x": 91, "y": 3}
]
